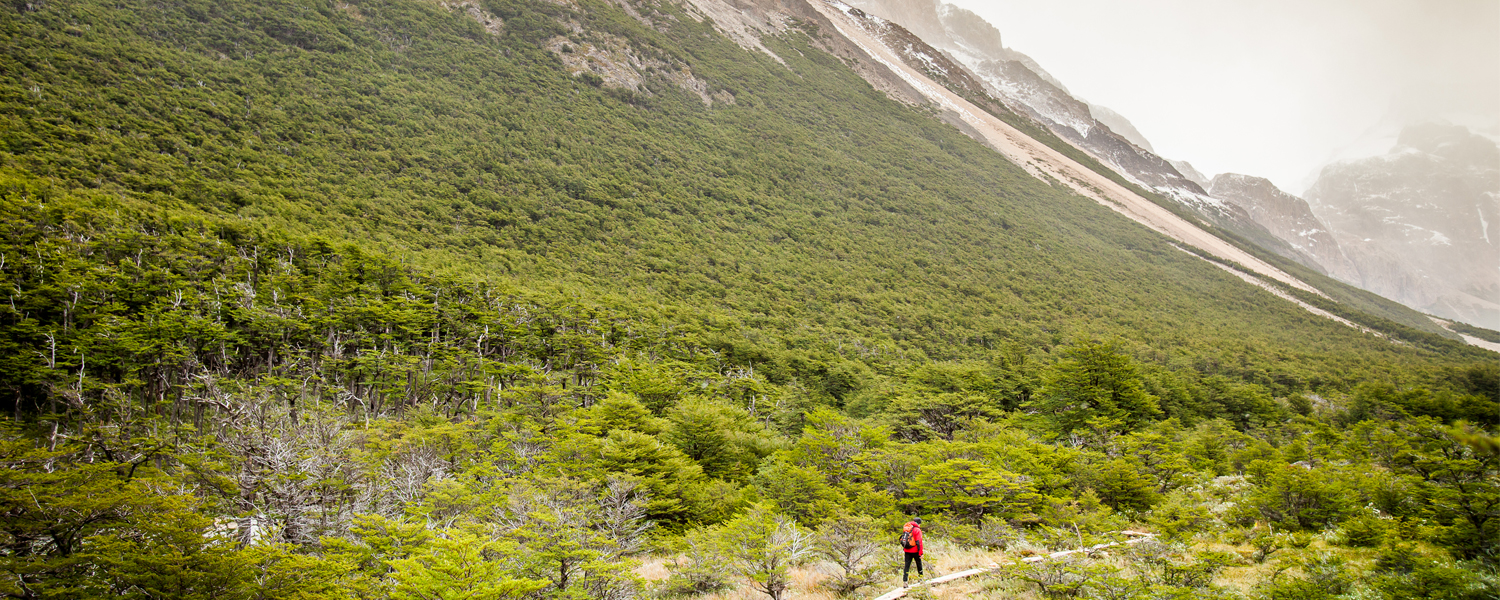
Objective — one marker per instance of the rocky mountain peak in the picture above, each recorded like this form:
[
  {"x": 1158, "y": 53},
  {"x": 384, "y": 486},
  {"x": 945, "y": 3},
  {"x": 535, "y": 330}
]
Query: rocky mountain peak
[
  {"x": 1422, "y": 223},
  {"x": 1259, "y": 187},
  {"x": 968, "y": 28},
  {"x": 1453, "y": 142},
  {"x": 1191, "y": 173},
  {"x": 1121, "y": 125},
  {"x": 1288, "y": 218}
]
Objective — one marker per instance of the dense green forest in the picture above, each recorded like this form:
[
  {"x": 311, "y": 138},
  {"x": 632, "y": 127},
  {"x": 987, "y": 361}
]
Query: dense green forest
[{"x": 378, "y": 300}]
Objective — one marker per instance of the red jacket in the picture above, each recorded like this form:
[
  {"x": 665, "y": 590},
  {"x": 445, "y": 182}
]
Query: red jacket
[{"x": 916, "y": 538}]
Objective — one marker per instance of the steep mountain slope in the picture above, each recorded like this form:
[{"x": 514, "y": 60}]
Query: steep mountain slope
[
  {"x": 474, "y": 136},
  {"x": 966, "y": 57},
  {"x": 1422, "y": 223},
  {"x": 1024, "y": 87},
  {"x": 751, "y": 184}
]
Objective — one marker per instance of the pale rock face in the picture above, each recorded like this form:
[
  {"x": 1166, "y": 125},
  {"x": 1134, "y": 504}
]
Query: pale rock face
[
  {"x": 1033, "y": 94},
  {"x": 1287, "y": 217},
  {"x": 1422, "y": 223}
]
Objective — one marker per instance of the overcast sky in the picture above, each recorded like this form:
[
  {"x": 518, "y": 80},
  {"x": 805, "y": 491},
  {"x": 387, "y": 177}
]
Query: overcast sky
[{"x": 1274, "y": 88}]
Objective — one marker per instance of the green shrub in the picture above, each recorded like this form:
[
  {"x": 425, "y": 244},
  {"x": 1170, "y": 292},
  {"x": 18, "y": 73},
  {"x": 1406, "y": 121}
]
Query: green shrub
[
  {"x": 1265, "y": 543},
  {"x": 1401, "y": 571},
  {"x": 1364, "y": 530},
  {"x": 993, "y": 533},
  {"x": 1323, "y": 576},
  {"x": 1295, "y": 496}
]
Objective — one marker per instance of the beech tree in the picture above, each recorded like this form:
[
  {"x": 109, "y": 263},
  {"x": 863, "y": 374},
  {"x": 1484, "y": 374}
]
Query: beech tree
[
  {"x": 460, "y": 566},
  {"x": 573, "y": 536},
  {"x": 763, "y": 546},
  {"x": 970, "y": 490},
  {"x": 1094, "y": 385},
  {"x": 798, "y": 492}
]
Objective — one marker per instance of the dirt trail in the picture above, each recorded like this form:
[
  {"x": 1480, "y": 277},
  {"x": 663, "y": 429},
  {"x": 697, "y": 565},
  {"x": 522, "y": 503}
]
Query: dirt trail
[{"x": 1047, "y": 164}]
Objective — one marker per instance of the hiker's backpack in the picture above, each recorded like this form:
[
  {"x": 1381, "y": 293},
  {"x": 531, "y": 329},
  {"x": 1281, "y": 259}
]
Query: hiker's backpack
[{"x": 906, "y": 541}]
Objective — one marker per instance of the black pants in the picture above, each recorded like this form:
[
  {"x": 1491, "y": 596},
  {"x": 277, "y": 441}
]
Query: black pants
[{"x": 910, "y": 558}]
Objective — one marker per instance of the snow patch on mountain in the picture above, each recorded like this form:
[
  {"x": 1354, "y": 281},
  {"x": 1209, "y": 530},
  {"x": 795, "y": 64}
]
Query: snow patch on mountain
[
  {"x": 929, "y": 63},
  {"x": 1484, "y": 225},
  {"x": 1040, "y": 97}
]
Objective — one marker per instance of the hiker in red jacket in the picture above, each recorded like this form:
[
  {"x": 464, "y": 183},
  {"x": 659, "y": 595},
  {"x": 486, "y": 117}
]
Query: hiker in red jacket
[{"x": 911, "y": 544}]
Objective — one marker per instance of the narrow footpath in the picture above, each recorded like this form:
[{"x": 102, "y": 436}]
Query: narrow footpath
[{"x": 1136, "y": 537}]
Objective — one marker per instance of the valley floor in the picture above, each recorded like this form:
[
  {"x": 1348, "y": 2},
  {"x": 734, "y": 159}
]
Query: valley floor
[{"x": 1009, "y": 575}]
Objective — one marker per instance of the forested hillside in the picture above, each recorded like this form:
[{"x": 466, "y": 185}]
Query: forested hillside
[{"x": 376, "y": 299}]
